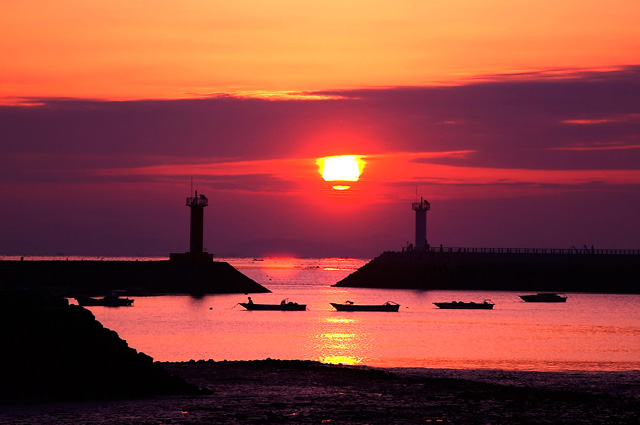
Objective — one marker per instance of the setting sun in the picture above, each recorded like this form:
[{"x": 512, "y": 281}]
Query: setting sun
[{"x": 340, "y": 169}]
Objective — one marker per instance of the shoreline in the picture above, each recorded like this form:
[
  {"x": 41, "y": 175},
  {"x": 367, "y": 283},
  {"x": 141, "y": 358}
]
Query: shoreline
[
  {"x": 307, "y": 392},
  {"x": 623, "y": 382}
]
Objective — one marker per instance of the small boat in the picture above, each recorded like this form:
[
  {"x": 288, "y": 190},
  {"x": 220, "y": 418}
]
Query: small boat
[
  {"x": 351, "y": 306},
  {"x": 544, "y": 297},
  {"x": 461, "y": 305},
  {"x": 285, "y": 305},
  {"x": 106, "y": 301}
]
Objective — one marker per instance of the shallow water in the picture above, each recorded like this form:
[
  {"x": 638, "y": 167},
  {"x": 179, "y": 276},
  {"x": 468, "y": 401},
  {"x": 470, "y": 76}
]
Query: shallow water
[{"x": 588, "y": 332}]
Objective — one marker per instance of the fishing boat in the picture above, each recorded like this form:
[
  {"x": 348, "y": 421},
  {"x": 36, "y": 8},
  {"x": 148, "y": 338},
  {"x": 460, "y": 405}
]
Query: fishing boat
[
  {"x": 461, "y": 305},
  {"x": 285, "y": 305},
  {"x": 111, "y": 300},
  {"x": 544, "y": 297},
  {"x": 351, "y": 306}
]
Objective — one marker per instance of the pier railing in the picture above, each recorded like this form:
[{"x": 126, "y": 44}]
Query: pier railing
[{"x": 568, "y": 251}]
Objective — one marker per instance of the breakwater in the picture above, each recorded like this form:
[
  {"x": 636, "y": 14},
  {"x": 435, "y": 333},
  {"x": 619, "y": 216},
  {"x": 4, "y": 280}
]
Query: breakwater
[
  {"x": 137, "y": 277},
  {"x": 502, "y": 269}
]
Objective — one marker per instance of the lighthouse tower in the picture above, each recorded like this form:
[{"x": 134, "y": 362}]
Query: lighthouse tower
[
  {"x": 196, "y": 251},
  {"x": 421, "y": 209},
  {"x": 197, "y": 204}
]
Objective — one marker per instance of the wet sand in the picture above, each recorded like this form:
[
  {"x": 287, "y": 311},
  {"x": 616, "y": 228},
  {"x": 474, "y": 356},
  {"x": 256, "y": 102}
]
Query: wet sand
[{"x": 281, "y": 392}]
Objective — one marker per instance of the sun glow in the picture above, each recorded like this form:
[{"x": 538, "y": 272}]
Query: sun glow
[{"x": 340, "y": 169}]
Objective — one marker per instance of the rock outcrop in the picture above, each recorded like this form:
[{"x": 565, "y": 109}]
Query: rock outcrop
[{"x": 55, "y": 351}]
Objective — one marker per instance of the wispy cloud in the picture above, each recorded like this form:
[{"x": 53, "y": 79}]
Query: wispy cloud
[
  {"x": 611, "y": 146},
  {"x": 268, "y": 95},
  {"x": 631, "y": 117}
]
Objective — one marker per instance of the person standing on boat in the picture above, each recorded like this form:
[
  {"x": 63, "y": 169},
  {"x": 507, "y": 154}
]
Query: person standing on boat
[{"x": 250, "y": 301}]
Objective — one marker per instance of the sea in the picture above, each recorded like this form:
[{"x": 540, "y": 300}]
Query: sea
[{"x": 590, "y": 332}]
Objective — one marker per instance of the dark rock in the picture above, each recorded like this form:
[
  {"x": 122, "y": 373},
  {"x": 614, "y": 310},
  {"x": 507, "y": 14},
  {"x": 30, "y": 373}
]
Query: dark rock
[{"x": 56, "y": 351}]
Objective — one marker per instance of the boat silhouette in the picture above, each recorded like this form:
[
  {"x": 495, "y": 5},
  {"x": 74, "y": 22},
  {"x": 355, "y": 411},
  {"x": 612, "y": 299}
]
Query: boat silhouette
[
  {"x": 351, "y": 306},
  {"x": 544, "y": 297},
  {"x": 285, "y": 305},
  {"x": 461, "y": 305},
  {"x": 109, "y": 300}
]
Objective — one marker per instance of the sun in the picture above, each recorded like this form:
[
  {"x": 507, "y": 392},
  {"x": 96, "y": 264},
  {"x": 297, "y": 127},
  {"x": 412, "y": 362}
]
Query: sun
[{"x": 341, "y": 169}]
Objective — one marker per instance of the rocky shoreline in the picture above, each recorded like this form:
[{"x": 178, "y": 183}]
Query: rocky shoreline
[
  {"x": 54, "y": 351},
  {"x": 304, "y": 392}
]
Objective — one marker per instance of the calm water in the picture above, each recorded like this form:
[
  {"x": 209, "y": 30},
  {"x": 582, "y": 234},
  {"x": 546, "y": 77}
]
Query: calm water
[{"x": 588, "y": 332}]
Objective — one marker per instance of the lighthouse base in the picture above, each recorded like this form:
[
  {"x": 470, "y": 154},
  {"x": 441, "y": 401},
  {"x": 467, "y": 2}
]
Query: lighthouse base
[{"x": 191, "y": 257}]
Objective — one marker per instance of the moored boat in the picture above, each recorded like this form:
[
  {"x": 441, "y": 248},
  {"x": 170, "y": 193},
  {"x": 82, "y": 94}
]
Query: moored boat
[
  {"x": 351, "y": 306},
  {"x": 107, "y": 301},
  {"x": 285, "y": 305},
  {"x": 544, "y": 297},
  {"x": 461, "y": 305}
]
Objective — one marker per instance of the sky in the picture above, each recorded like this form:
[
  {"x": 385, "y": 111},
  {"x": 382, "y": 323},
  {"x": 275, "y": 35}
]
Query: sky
[{"x": 519, "y": 121}]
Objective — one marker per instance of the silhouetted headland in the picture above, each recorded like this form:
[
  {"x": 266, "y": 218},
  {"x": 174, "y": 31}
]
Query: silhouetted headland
[
  {"x": 56, "y": 351},
  {"x": 502, "y": 270}
]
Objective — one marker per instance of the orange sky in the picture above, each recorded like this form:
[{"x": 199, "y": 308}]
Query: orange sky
[
  {"x": 169, "y": 49},
  {"x": 518, "y": 120}
]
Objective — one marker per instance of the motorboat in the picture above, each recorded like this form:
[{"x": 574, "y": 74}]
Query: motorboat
[
  {"x": 461, "y": 305},
  {"x": 544, "y": 297},
  {"x": 110, "y": 300},
  {"x": 285, "y": 305},
  {"x": 351, "y": 306}
]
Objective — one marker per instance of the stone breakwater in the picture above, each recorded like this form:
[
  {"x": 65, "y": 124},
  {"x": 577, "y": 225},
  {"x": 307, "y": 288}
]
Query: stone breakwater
[
  {"x": 597, "y": 273},
  {"x": 56, "y": 351},
  {"x": 98, "y": 277}
]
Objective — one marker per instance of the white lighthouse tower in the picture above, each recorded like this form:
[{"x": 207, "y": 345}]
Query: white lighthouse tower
[{"x": 421, "y": 209}]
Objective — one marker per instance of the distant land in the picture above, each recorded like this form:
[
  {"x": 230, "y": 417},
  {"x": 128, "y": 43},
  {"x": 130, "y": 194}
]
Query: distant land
[{"x": 597, "y": 271}]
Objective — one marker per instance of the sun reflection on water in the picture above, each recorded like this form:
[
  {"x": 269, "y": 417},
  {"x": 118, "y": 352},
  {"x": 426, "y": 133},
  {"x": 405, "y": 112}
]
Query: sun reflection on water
[
  {"x": 339, "y": 320},
  {"x": 340, "y": 341},
  {"x": 346, "y": 360}
]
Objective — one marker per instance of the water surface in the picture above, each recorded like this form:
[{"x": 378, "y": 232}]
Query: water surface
[{"x": 588, "y": 332}]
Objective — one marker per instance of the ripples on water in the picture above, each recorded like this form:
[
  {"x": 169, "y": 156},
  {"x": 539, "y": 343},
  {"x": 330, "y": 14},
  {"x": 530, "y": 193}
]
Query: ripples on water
[{"x": 588, "y": 332}]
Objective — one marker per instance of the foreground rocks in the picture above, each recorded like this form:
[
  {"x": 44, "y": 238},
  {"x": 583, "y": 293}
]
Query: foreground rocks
[
  {"x": 302, "y": 392},
  {"x": 274, "y": 391},
  {"x": 55, "y": 351}
]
